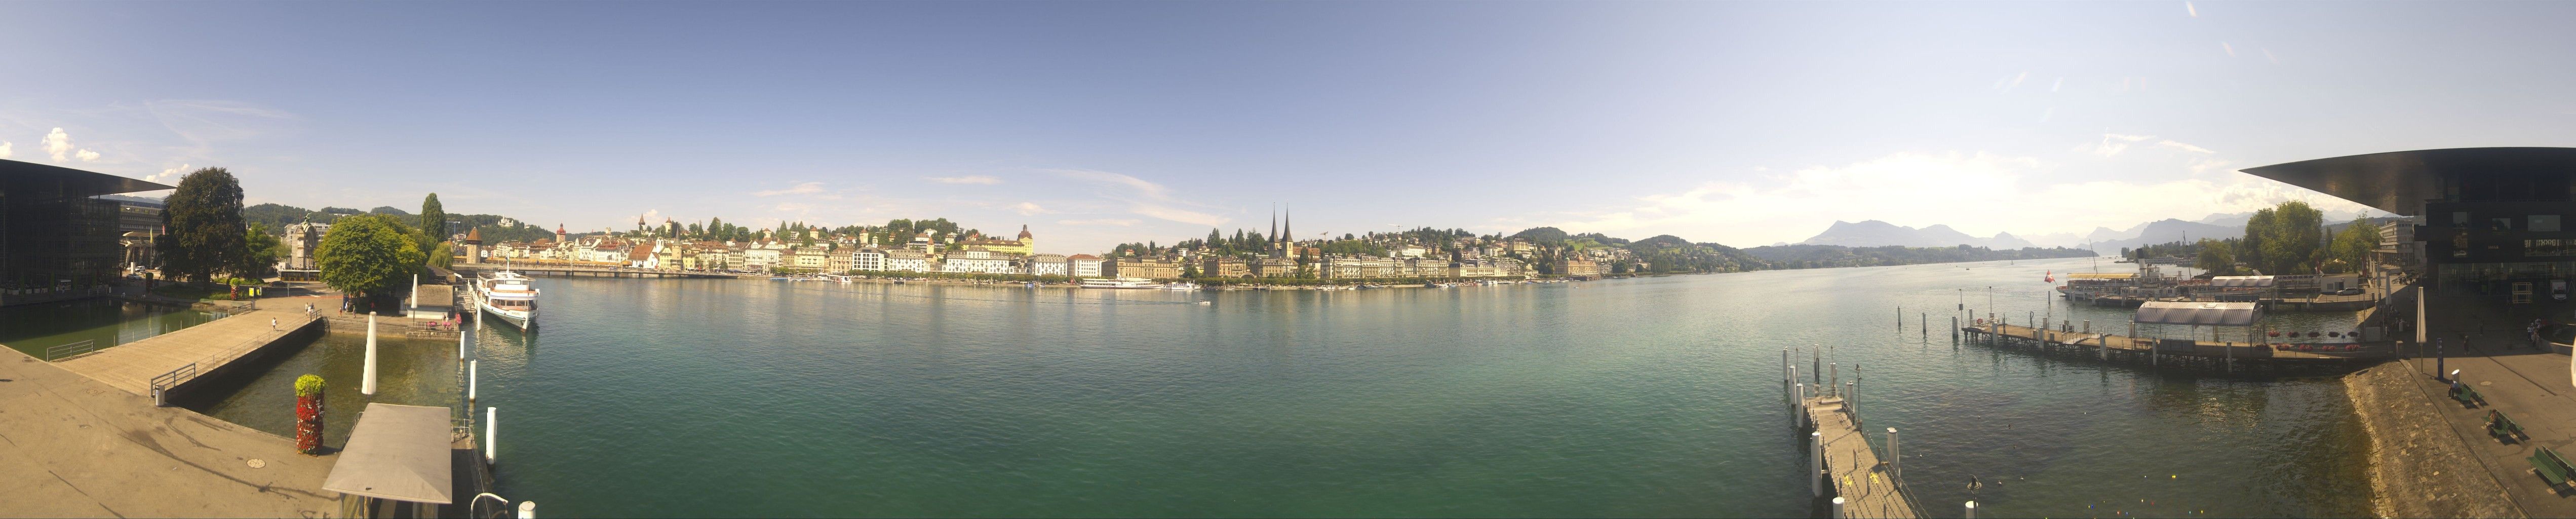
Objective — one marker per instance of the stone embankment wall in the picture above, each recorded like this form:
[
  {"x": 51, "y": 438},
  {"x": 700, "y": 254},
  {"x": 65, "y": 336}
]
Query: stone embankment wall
[{"x": 2418, "y": 465}]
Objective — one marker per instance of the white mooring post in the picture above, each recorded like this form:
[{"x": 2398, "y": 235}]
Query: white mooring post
[
  {"x": 367, "y": 383},
  {"x": 1972, "y": 510},
  {"x": 491, "y": 424},
  {"x": 473, "y": 378},
  {"x": 1838, "y": 508},
  {"x": 1794, "y": 385},
  {"x": 1834, "y": 371},
  {"x": 1816, "y": 464},
  {"x": 1801, "y": 404},
  {"x": 460, "y": 343},
  {"x": 527, "y": 510},
  {"x": 1895, "y": 458},
  {"x": 1851, "y": 399}
]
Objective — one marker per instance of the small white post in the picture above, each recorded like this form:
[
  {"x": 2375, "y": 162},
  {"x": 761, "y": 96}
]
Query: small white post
[
  {"x": 527, "y": 510},
  {"x": 1801, "y": 394},
  {"x": 1835, "y": 372},
  {"x": 1851, "y": 398},
  {"x": 367, "y": 383},
  {"x": 1791, "y": 390},
  {"x": 491, "y": 424},
  {"x": 1895, "y": 458},
  {"x": 1972, "y": 510},
  {"x": 473, "y": 378},
  {"x": 460, "y": 343},
  {"x": 1816, "y": 464},
  {"x": 1838, "y": 508}
]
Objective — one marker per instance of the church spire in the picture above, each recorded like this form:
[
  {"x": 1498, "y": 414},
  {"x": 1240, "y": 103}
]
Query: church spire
[{"x": 1287, "y": 242}]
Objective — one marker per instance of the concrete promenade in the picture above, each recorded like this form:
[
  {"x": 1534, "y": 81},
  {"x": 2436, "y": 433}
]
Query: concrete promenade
[
  {"x": 189, "y": 352},
  {"x": 75, "y": 447},
  {"x": 2532, "y": 387}
]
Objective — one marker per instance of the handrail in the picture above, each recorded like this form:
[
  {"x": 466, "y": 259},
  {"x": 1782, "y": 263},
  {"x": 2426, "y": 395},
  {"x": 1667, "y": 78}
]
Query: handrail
[
  {"x": 478, "y": 502},
  {"x": 71, "y": 349}
]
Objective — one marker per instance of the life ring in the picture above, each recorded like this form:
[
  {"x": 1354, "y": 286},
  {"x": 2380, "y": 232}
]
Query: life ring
[
  {"x": 2276, "y": 333},
  {"x": 2334, "y": 334}
]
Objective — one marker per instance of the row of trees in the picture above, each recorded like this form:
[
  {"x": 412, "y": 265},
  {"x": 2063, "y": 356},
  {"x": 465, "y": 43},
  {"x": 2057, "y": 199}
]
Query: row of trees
[
  {"x": 2290, "y": 239},
  {"x": 369, "y": 255}
]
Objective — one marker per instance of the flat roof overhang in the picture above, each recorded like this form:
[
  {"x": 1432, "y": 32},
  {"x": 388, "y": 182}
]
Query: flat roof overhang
[
  {"x": 15, "y": 174},
  {"x": 2400, "y": 181},
  {"x": 397, "y": 452}
]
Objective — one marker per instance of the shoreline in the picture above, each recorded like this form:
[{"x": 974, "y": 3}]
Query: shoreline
[{"x": 2413, "y": 450}]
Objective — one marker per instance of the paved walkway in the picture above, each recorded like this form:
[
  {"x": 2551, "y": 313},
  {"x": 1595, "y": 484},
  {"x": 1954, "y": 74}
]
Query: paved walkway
[
  {"x": 75, "y": 447},
  {"x": 132, "y": 366},
  {"x": 2533, "y": 387}
]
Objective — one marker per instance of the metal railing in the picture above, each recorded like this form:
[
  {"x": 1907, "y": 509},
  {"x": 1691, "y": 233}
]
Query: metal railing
[
  {"x": 65, "y": 351},
  {"x": 162, "y": 383}
]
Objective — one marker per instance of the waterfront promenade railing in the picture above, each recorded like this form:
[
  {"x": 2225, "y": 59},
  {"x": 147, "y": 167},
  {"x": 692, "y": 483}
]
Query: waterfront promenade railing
[{"x": 69, "y": 350}]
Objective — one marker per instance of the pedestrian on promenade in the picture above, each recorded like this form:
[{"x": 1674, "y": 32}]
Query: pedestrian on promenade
[{"x": 272, "y": 324}]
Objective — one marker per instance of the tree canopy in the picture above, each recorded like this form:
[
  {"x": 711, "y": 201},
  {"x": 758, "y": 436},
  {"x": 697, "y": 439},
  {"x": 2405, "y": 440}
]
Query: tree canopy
[
  {"x": 367, "y": 254},
  {"x": 203, "y": 219},
  {"x": 2284, "y": 239},
  {"x": 433, "y": 218}
]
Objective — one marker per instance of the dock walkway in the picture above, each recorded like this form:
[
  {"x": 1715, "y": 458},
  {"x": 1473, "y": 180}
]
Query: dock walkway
[
  {"x": 1851, "y": 467},
  {"x": 175, "y": 358}
]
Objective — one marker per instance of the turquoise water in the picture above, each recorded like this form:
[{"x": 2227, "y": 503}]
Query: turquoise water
[
  {"x": 1645, "y": 397},
  {"x": 32, "y": 329}
]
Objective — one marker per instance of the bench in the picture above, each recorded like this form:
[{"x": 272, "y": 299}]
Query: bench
[
  {"x": 2502, "y": 427},
  {"x": 2467, "y": 395},
  {"x": 2552, "y": 468}
]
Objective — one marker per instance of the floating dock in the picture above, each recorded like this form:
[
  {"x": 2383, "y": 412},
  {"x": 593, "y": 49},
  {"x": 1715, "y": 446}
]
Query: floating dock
[
  {"x": 1850, "y": 477},
  {"x": 2180, "y": 353}
]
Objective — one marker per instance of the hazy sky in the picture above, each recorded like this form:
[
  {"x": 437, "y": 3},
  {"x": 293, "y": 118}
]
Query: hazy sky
[{"x": 1095, "y": 123}]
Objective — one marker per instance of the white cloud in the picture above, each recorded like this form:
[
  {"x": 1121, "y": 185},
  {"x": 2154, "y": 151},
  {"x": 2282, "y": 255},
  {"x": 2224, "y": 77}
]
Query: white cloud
[
  {"x": 167, "y": 176},
  {"x": 59, "y": 145},
  {"x": 2170, "y": 143},
  {"x": 1120, "y": 222},
  {"x": 807, "y": 188},
  {"x": 1979, "y": 194},
  {"x": 2187, "y": 8},
  {"x": 1028, "y": 209},
  {"x": 2231, "y": 49},
  {"x": 2113, "y": 143},
  {"x": 5, "y": 149},
  {"x": 969, "y": 179},
  {"x": 86, "y": 155},
  {"x": 651, "y": 217},
  {"x": 1143, "y": 197}
]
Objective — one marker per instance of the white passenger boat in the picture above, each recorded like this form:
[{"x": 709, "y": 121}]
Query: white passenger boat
[
  {"x": 508, "y": 295},
  {"x": 1121, "y": 283},
  {"x": 1185, "y": 285}
]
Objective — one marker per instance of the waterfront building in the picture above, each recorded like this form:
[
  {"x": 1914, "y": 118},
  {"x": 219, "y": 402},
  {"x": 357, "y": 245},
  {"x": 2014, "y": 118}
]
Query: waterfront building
[
  {"x": 1474, "y": 269},
  {"x": 839, "y": 263},
  {"x": 1147, "y": 268},
  {"x": 760, "y": 258},
  {"x": 1083, "y": 266},
  {"x": 1224, "y": 267},
  {"x": 1274, "y": 268},
  {"x": 868, "y": 259},
  {"x": 809, "y": 258},
  {"x": 301, "y": 240},
  {"x": 2489, "y": 222},
  {"x": 56, "y": 240},
  {"x": 1046, "y": 265},
  {"x": 1025, "y": 245},
  {"x": 978, "y": 261},
  {"x": 906, "y": 260},
  {"x": 139, "y": 222},
  {"x": 473, "y": 245},
  {"x": 1578, "y": 267}
]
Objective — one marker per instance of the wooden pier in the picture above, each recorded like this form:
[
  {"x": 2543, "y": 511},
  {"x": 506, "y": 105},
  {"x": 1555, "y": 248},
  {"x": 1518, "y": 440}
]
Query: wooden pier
[
  {"x": 1850, "y": 468},
  {"x": 172, "y": 359},
  {"x": 2179, "y": 353}
]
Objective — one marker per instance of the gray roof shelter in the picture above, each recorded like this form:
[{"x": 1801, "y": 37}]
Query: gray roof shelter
[
  {"x": 2199, "y": 314},
  {"x": 2241, "y": 281},
  {"x": 397, "y": 452},
  {"x": 2401, "y": 181}
]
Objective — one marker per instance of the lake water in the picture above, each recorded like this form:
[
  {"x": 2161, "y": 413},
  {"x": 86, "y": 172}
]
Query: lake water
[
  {"x": 32, "y": 329},
  {"x": 1645, "y": 397}
]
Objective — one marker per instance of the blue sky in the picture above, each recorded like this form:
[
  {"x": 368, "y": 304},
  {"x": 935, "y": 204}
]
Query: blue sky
[{"x": 1097, "y": 123}]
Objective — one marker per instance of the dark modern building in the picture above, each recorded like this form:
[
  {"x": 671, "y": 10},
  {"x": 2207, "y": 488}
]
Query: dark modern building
[
  {"x": 57, "y": 241},
  {"x": 2488, "y": 221}
]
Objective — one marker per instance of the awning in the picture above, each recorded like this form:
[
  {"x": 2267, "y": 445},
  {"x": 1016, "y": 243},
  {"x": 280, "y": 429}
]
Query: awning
[
  {"x": 397, "y": 452},
  {"x": 2090, "y": 275},
  {"x": 2200, "y": 314},
  {"x": 2241, "y": 281}
]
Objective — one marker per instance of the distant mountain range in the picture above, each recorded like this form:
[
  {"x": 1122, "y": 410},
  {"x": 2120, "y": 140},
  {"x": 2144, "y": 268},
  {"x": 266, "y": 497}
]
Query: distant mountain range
[{"x": 1874, "y": 233}]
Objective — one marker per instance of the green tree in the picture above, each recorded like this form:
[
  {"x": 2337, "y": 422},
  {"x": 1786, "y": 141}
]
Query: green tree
[
  {"x": 433, "y": 218},
  {"x": 368, "y": 255},
  {"x": 264, "y": 250},
  {"x": 204, "y": 224},
  {"x": 2215, "y": 258},
  {"x": 2285, "y": 239},
  {"x": 2351, "y": 248}
]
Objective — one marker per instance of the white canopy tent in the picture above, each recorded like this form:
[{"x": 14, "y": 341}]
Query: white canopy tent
[{"x": 399, "y": 453}]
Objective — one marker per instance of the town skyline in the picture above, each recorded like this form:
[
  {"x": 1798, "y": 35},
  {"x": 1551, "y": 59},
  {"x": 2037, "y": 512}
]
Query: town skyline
[{"x": 1629, "y": 120}]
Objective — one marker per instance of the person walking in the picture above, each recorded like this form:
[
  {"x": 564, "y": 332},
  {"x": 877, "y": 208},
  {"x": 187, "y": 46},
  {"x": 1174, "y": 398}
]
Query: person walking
[{"x": 272, "y": 324}]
